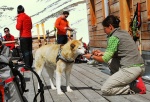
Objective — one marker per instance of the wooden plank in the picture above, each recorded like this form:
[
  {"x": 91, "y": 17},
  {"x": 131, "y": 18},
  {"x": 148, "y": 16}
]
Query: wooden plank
[
  {"x": 99, "y": 20},
  {"x": 117, "y": 13},
  {"x": 98, "y": 37},
  {"x": 55, "y": 97},
  {"x": 136, "y": 98},
  {"x": 35, "y": 81},
  {"x": 111, "y": 2},
  {"x": 84, "y": 71},
  {"x": 144, "y": 16},
  {"x": 144, "y": 27},
  {"x": 94, "y": 43},
  {"x": 99, "y": 13},
  {"x": 124, "y": 14},
  {"x": 143, "y": 1},
  {"x": 146, "y": 95},
  {"x": 98, "y": 6},
  {"x": 84, "y": 85},
  {"x": 146, "y": 45},
  {"x": 96, "y": 70},
  {"x": 76, "y": 95},
  {"x": 93, "y": 81},
  {"x": 45, "y": 80},
  {"x": 145, "y": 35},
  {"x": 115, "y": 7},
  {"x": 143, "y": 7},
  {"x": 29, "y": 85},
  {"x": 99, "y": 26},
  {"x": 135, "y": 2},
  {"x": 97, "y": 1},
  {"x": 98, "y": 32}
]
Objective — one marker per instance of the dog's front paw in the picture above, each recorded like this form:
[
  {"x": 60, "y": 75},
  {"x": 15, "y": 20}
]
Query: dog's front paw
[
  {"x": 53, "y": 88},
  {"x": 60, "y": 93},
  {"x": 69, "y": 89}
]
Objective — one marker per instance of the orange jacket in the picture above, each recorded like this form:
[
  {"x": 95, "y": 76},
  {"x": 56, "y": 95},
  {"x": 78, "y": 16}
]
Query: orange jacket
[
  {"x": 10, "y": 38},
  {"x": 24, "y": 25},
  {"x": 60, "y": 24}
]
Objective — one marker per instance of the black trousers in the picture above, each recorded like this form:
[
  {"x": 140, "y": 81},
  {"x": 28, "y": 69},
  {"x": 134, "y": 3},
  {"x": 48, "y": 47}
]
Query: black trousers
[
  {"x": 26, "y": 49},
  {"x": 62, "y": 39}
]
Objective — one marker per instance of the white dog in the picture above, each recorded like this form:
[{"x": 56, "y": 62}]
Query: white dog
[{"x": 60, "y": 58}]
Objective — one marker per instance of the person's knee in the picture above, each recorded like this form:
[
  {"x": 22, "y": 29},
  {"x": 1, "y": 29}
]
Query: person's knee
[{"x": 106, "y": 91}]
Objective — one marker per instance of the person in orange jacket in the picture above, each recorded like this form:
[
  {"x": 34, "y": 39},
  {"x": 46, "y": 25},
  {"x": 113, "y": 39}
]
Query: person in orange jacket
[
  {"x": 9, "y": 37},
  {"x": 24, "y": 25},
  {"x": 62, "y": 26}
]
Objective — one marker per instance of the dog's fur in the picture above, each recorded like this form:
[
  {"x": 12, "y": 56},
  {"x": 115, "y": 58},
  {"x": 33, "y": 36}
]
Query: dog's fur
[{"x": 45, "y": 57}]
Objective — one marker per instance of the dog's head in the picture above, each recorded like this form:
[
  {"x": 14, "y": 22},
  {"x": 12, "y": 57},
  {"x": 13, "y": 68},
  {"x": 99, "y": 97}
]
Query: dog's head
[{"x": 77, "y": 47}]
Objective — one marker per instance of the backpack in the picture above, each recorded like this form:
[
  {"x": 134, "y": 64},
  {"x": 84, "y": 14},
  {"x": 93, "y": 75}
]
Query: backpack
[{"x": 11, "y": 77}]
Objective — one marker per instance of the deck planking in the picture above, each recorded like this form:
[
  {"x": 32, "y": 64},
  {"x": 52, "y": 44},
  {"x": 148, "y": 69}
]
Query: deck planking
[{"x": 86, "y": 81}]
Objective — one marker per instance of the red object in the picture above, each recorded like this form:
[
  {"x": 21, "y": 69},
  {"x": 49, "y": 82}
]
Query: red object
[
  {"x": 9, "y": 80},
  {"x": 140, "y": 85},
  {"x": 60, "y": 24},
  {"x": 24, "y": 25},
  {"x": 9, "y": 38},
  {"x": 24, "y": 70},
  {"x": 2, "y": 93},
  {"x": 139, "y": 14},
  {"x": 2, "y": 88}
]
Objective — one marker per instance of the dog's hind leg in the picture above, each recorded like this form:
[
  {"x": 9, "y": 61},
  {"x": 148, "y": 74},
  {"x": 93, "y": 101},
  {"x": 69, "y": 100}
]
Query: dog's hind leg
[
  {"x": 39, "y": 64},
  {"x": 51, "y": 74}
]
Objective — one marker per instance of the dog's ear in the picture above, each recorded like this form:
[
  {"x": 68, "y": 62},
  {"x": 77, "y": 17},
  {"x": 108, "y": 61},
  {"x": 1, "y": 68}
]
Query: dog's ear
[
  {"x": 72, "y": 46},
  {"x": 80, "y": 39}
]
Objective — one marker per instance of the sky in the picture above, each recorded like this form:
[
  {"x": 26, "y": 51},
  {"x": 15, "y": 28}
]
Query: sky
[{"x": 77, "y": 17}]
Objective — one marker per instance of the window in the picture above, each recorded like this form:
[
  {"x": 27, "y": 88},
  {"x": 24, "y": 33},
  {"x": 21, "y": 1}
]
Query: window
[{"x": 92, "y": 12}]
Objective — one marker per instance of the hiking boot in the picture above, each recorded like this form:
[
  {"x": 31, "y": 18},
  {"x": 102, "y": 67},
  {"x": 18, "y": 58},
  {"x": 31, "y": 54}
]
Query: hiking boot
[{"x": 138, "y": 86}]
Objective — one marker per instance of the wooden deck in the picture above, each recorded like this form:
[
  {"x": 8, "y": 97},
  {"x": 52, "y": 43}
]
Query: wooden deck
[{"x": 86, "y": 81}]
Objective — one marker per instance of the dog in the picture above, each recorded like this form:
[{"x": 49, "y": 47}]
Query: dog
[{"x": 60, "y": 58}]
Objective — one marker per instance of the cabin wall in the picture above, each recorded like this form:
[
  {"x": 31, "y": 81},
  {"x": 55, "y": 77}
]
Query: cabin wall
[{"x": 98, "y": 38}]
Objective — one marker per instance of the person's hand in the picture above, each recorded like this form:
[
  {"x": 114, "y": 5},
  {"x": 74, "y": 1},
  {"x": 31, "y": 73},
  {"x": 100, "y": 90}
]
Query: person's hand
[
  {"x": 87, "y": 55},
  {"x": 70, "y": 29},
  {"x": 97, "y": 52}
]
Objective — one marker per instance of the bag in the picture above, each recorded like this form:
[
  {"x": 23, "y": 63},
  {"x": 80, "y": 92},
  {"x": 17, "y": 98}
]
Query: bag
[
  {"x": 10, "y": 87},
  {"x": 15, "y": 53},
  {"x": 136, "y": 23},
  {"x": 11, "y": 78}
]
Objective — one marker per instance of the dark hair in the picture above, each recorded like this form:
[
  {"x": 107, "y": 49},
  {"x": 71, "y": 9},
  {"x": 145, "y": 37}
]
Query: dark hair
[
  {"x": 65, "y": 12},
  {"x": 6, "y": 28},
  {"x": 20, "y": 9},
  {"x": 111, "y": 19}
]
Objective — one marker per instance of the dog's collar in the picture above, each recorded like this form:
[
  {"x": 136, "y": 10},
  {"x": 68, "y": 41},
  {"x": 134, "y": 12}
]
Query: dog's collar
[{"x": 59, "y": 56}]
